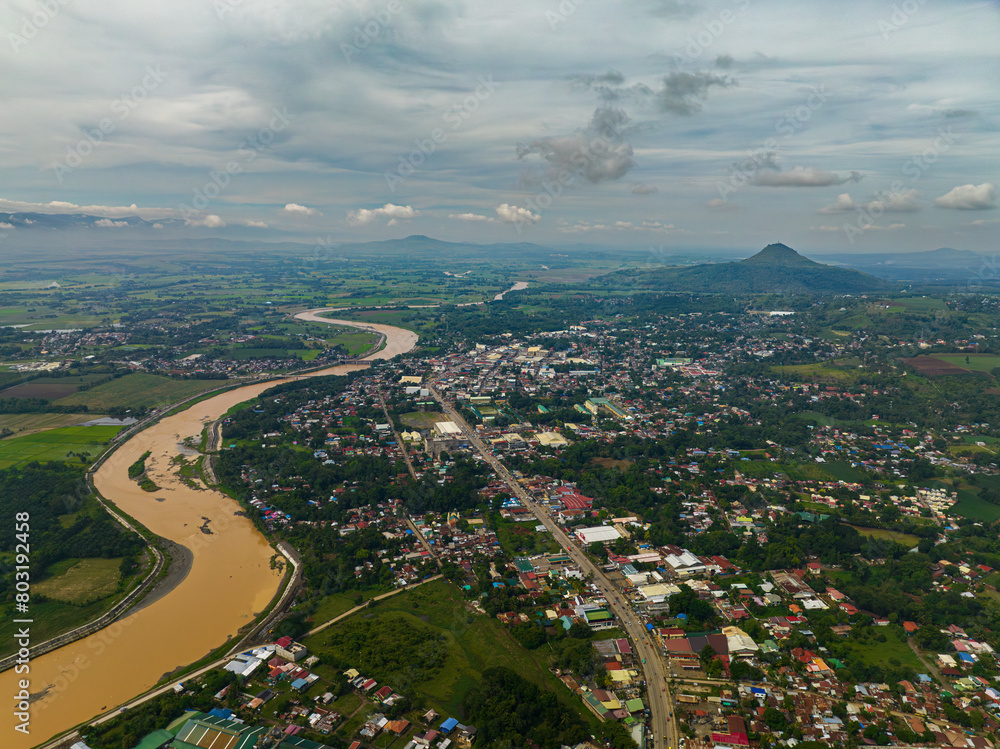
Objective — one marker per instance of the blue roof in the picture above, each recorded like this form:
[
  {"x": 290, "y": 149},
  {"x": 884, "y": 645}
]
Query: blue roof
[
  {"x": 299, "y": 683},
  {"x": 221, "y": 712},
  {"x": 449, "y": 724}
]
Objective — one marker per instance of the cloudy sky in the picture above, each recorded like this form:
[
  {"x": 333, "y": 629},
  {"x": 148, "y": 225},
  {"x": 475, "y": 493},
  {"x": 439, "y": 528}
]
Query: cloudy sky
[{"x": 848, "y": 126}]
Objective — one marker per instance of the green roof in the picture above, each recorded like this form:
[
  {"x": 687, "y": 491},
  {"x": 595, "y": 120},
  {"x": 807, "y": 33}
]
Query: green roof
[
  {"x": 595, "y": 703},
  {"x": 635, "y": 706},
  {"x": 523, "y": 565},
  {"x": 178, "y": 723},
  {"x": 155, "y": 740},
  {"x": 598, "y": 616},
  {"x": 194, "y": 732}
]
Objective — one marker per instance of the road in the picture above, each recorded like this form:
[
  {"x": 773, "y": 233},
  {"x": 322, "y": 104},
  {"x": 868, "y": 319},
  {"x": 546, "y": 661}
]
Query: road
[{"x": 662, "y": 724}]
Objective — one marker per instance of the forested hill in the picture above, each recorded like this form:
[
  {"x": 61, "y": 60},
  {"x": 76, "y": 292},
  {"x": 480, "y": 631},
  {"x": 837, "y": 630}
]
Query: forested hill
[{"x": 775, "y": 269}]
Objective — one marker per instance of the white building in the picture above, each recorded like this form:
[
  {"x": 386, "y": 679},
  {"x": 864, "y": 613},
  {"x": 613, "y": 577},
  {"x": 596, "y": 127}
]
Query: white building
[{"x": 601, "y": 533}]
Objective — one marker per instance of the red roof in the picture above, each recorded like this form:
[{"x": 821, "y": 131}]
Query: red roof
[{"x": 284, "y": 642}]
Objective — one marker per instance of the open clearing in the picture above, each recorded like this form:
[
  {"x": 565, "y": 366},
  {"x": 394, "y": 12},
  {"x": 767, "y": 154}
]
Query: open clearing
[
  {"x": 55, "y": 444},
  {"x": 974, "y": 362},
  {"x": 25, "y": 424},
  {"x": 422, "y": 419},
  {"x": 469, "y": 644},
  {"x": 931, "y": 366},
  {"x": 82, "y": 581},
  {"x": 906, "y": 539},
  {"x": 138, "y": 390}
]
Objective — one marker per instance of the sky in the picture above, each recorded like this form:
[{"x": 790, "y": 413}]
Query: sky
[{"x": 832, "y": 127}]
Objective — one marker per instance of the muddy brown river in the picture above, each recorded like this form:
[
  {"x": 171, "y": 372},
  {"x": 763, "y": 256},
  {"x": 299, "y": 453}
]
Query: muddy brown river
[{"x": 230, "y": 581}]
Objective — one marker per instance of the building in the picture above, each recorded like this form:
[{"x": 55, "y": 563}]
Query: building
[
  {"x": 599, "y": 534},
  {"x": 290, "y": 650}
]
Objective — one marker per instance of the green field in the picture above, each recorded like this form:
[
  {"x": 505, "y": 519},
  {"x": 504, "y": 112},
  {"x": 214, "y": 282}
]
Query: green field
[
  {"x": 521, "y": 539},
  {"x": 137, "y": 390},
  {"x": 843, "y": 472},
  {"x": 975, "y": 363},
  {"x": 24, "y": 424},
  {"x": 969, "y": 505},
  {"x": 824, "y": 372},
  {"x": 880, "y": 653},
  {"x": 55, "y": 444},
  {"x": 920, "y": 304},
  {"x": 422, "y": 419},
  {"x": 79, "y": 581},
  {"x": 468, "y": 643},
  {"x": 906, "y": 539}
]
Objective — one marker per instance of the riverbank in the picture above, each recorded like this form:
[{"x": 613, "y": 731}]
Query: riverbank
[{"x": 201, "y": 605}]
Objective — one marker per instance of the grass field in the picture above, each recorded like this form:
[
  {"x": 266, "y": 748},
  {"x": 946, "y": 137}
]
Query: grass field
[
  {"x": 843, "y": 472},
  {"x": 137, "y": 390},
  {"x": 976, "y": 362},
  {"x": 816, "y": 372},
  {"x": 969, "y": 505},
  {"x": 80, "y": 581},
  {"x": 334, "y": 605},
  {"x": 471, "y": 644},
  {"x": 25, "y": 424},
  {"x": 51, "y": 618},
  {"x": 521, "y": 539},
  {"x": 55, "y": 444},
  {"x": 906, "y": 539},
  {"x": 880, "y": 653},
  {"x": 422, "y": 419}
]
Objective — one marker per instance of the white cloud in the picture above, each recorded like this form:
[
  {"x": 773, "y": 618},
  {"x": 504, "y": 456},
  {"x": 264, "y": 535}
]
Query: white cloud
[
  {"x": 969, "y": 197},
  {"x": 301, "y": 210},
  {"x": 254, "y": 224},
  {"x": 907, "y": 201},
  {"x": 842, "y": 204},
  {"x": 5, "y": 225},
  {"x": 211, "y": 221},
  {"x": 364, "y": 216},
  {"x": 471, "y": 217},
  {"x": 106, "y": 223},
  {"x": 512, "y": 214},
  {"x": 802, "y": 177},
  {"x": 62, "y": 207}
]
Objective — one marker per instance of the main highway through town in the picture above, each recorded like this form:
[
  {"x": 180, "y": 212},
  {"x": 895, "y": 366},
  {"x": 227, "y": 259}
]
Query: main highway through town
[{"x": 663, "y": 726}]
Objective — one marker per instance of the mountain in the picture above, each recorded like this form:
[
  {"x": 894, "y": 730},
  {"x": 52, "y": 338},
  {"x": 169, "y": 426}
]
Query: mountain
[
  {"x": 70, "y": 221},
  {"x": 943, "y": 266},
  {"x": 777, "y": 269}
]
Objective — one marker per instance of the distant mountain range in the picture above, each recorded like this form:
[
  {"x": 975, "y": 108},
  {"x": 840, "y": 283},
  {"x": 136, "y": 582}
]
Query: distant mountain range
[
  {"x": 945, "y": 265},
  {"x": 70, "y": 221},
  {"x": 777, "y": 269},
  {"x": 30, "y": 232}
]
